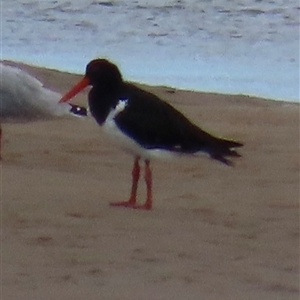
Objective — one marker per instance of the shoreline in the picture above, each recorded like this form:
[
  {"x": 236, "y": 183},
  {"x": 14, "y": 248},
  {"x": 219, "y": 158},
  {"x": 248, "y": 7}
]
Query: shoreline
[{"x": 31, "y": 67}]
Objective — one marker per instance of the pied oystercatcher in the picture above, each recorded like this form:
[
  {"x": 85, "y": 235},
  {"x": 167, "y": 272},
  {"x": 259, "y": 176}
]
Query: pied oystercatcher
[{"x": 143, "y": 124}]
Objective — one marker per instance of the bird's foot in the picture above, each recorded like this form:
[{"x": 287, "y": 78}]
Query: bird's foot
[
  {"x": 145, "y": 206},
  {"x": 123, "y": 203},
  {"x": 133, "y": 205}
]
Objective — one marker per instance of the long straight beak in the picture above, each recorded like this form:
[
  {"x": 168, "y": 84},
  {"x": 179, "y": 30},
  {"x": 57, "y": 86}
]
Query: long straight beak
[{"x": 75, "y": 90}]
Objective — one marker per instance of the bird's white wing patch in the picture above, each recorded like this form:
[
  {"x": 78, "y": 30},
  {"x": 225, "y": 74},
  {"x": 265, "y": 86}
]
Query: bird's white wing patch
[
  {"x": 119, "y": 108},
  {"x": 121, "y": 105}
]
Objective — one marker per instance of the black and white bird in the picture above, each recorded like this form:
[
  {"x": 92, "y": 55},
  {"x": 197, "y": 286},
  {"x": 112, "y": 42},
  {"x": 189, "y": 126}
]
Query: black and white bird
[
  {"x": 144, "y": 125},
  {"x": 23, "y": 98}
]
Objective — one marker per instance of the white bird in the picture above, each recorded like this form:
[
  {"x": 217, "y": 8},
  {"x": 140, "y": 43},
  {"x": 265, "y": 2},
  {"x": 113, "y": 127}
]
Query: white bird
[{"x": 23, "y": 98}]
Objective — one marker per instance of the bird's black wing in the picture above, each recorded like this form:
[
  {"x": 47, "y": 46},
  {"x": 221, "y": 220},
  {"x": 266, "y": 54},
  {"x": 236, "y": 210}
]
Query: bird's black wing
[{"x": 154, "y": 124}]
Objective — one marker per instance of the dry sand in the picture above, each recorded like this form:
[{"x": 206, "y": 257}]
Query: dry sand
[{"x": 215, "y": 232}]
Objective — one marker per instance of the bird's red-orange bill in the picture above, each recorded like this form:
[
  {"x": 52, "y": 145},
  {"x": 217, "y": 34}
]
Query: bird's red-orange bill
[{"x": 75, "y": 90}]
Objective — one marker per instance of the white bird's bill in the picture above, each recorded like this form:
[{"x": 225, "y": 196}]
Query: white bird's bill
[{"x": 23, "y": 97}]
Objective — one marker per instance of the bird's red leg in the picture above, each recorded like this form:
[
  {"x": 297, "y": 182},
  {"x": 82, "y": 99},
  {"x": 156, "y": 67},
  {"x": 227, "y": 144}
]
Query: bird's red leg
[
  {"x": 0, "y": 142},
  {"x": 135, "y": 179},
  {"x": 148, "y": 180}
]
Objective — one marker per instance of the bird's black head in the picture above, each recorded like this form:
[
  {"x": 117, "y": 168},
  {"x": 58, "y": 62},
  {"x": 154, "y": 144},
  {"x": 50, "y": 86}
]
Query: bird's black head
[{"x": 103, "y": 74}]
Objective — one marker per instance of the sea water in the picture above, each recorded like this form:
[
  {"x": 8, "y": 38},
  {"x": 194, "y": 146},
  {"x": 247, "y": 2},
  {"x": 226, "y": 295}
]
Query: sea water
[{"x": 242, "y": 47}]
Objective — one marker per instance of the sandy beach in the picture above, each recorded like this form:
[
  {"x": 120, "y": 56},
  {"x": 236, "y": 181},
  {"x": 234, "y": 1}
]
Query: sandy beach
[{"x": 215, "y": 232}]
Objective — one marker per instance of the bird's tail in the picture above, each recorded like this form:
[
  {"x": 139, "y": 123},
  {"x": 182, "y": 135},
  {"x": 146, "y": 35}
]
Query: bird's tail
[{"x": 221, "y": 149}]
